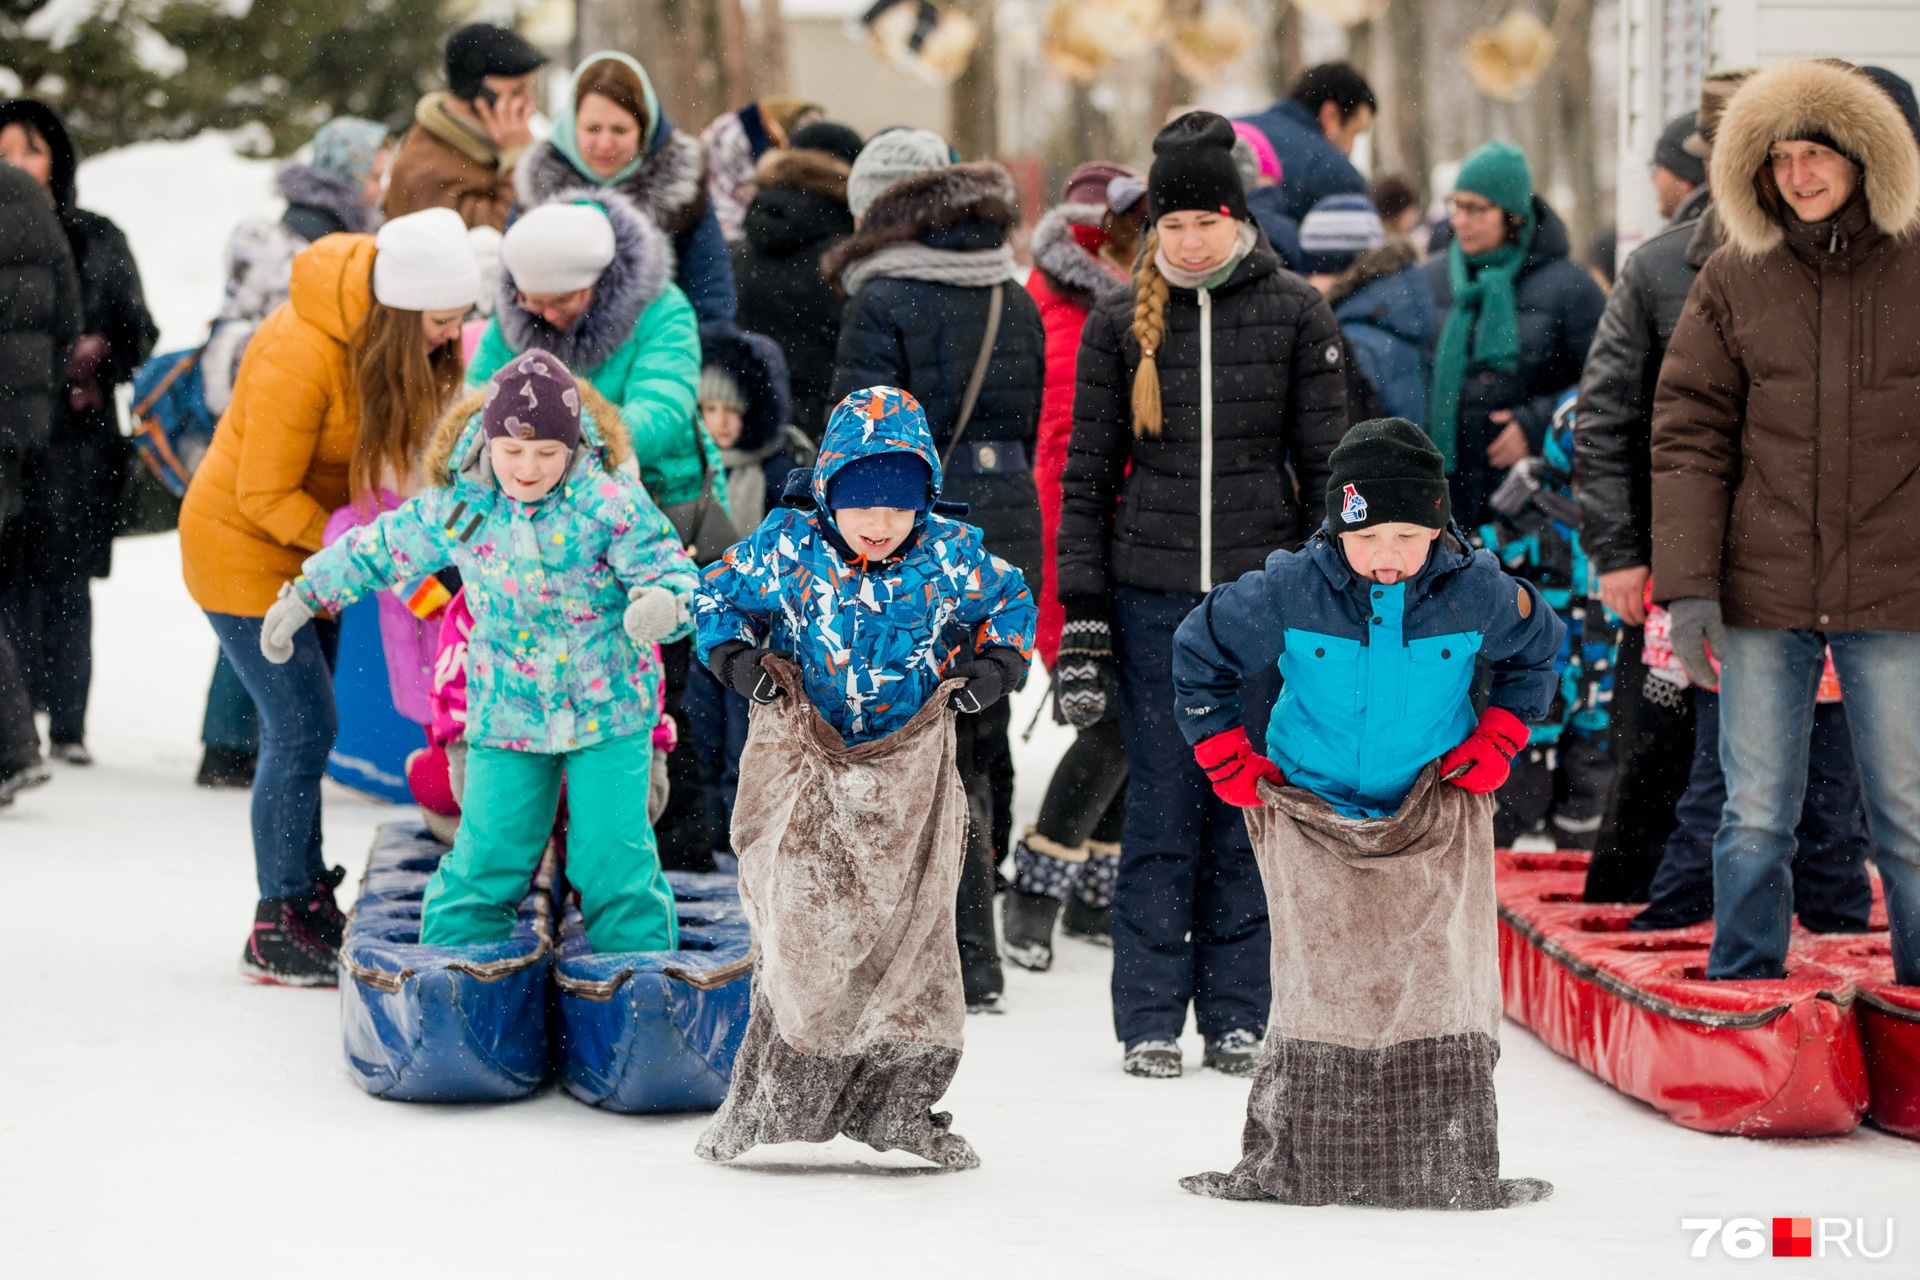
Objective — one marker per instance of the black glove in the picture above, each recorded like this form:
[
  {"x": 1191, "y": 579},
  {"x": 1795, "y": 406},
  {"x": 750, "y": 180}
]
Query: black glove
[
  {"x": 1086, "y": 682},
  {"x": 736, "y": 664},
  {"x": 989, "y": 678}
]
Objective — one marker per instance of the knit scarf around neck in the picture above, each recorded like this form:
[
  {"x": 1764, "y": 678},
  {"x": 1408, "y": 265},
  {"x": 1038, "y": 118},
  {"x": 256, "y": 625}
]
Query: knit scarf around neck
[
  {"x": 1180, "y": 278},
  {"x": 910, "y": 260},
  {"x": 1482, "y": 328}
]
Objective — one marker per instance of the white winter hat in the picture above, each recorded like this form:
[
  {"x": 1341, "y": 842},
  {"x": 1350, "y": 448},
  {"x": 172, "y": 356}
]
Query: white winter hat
[
  {"x": 892, "y": 157},
  {"x": 558, "y": 248},
  {"x": 423, "y": 262}
]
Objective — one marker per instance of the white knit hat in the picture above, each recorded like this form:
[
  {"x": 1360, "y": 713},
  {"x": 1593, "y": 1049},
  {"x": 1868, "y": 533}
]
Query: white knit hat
[
  {"x": 423, "y": 262},
  {"x": 558, "y": 248},
  {"x": 892, "y": 157}
]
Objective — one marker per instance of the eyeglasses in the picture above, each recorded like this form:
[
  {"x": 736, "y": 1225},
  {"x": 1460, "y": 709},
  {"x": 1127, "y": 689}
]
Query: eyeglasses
[{"x": 1457, "y": 207}]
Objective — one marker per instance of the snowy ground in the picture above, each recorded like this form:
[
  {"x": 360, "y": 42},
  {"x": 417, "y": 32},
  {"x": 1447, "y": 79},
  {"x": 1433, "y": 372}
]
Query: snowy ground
[{"x": 159, "y": 1115}]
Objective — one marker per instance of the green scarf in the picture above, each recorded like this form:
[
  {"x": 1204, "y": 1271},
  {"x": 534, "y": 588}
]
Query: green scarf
[{"x": 1483, "y": 328}]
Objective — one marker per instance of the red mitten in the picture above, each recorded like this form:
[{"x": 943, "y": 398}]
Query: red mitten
[
  {"x": 1233, "y": 769},
  {"x": 1487, "y": 753}
]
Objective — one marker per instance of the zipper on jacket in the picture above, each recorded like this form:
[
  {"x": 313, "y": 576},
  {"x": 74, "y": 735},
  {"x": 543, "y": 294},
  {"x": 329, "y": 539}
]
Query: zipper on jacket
[{"x": 1206, "y": 439}]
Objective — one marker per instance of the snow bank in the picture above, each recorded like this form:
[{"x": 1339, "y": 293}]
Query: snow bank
[{"x": 178, "y": 202}]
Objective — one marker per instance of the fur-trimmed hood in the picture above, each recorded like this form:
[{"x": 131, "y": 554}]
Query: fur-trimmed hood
[
  {"x": 926, "y": 204},
  {"x": 1390, "y": 259},
  {"x": 1795, "y": 100},
  {"x": 456, "y": 435},
  {"x": 1075, "y": 274},
  {"x": 804, "y": 169},
  {"x": 641, "y": 269},
  {"x": 339, "y": 199},
  {"x": 670, "y": 188}
]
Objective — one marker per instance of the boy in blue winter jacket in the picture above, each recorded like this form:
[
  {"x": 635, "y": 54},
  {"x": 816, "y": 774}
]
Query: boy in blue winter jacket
[
  {"x": 876, "y": 594},
  {"x": 572, "y": 574},
  {"x": 1377, "y": 624}
]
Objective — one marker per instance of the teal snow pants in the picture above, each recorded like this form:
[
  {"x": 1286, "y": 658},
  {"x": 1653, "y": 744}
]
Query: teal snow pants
[{"x": 506, "y": 817}]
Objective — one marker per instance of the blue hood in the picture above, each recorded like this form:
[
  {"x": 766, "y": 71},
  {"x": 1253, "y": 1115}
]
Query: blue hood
[{"x": 1401, "y": 304}]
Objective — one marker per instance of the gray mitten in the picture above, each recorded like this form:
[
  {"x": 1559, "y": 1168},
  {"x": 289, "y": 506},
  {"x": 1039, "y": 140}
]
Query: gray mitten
[
  {"x": 655, "y": 614},
  {"x": 1696, "y": 630},
  {"x": 658, "y": 788},
  {"x": 283, "y": 621}
]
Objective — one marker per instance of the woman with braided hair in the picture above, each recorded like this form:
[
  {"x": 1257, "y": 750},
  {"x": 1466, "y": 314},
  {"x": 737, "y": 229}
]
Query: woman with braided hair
[{"x": 1207, "y": 399}]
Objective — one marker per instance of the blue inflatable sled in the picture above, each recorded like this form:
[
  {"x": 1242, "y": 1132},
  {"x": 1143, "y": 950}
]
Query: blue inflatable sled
[
  {"x": 441, "y": 1024},
  {"x": 631, "y": 1032},
  {"x": 652, "y": 1031}
]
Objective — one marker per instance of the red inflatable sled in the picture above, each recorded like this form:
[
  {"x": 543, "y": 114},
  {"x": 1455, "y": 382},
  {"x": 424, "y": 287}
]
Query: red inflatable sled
[
  {"x": 1761, "y": 1059},
  {"x": 1889, "y": 1018}
]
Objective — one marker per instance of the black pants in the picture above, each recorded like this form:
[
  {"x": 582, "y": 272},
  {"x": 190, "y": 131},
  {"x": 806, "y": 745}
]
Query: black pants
[
  {"x": 51, "y": 627},
  {"x": 1652, "y": 748},
  {"x": 1086, "y": 800},
  {"x": 980, "y": 744},
  {"x": 683, "y": 833},
  {"x": 19, "y": 738}
]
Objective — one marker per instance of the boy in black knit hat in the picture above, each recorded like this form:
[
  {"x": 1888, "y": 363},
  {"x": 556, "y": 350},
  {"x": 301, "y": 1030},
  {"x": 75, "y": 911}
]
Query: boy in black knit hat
[{"x": 1378, "y": 873}]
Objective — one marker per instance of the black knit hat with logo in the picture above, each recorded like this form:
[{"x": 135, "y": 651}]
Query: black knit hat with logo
[
  {"x": 1193, "y": 168},
  {"x": 1384, "y": 472}
]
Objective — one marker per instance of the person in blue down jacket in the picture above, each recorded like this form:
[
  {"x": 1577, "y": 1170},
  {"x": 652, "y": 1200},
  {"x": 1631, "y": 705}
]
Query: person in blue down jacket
[
  {"x": 1313, "y": 130},
  {"x": 1377, "y": 625},
  {"x": 1382, "y": 301}
]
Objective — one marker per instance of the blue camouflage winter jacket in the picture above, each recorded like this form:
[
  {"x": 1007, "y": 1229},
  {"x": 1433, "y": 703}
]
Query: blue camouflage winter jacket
[
  {"x": 872, "y": 639},
  {"x": 1378, "y": 679},
  {"x": 550, "y": 667}
]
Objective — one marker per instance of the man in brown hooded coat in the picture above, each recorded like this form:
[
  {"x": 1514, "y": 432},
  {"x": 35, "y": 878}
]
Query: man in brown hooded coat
[{"x": 1786, "y": 484}]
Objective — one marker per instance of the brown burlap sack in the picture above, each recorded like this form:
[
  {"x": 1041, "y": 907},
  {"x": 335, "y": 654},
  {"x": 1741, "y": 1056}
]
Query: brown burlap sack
[
  {"x": 849, "y": 869},
  {"x": 1376, "y": 1083}
]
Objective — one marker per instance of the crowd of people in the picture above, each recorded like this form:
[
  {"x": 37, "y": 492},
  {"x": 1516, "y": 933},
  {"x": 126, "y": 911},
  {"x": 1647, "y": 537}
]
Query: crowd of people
[{"x": 1283, "y": 479}]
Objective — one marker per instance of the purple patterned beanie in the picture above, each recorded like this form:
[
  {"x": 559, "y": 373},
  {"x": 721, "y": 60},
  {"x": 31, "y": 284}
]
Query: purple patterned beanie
[{"x": 533, "y": 397}]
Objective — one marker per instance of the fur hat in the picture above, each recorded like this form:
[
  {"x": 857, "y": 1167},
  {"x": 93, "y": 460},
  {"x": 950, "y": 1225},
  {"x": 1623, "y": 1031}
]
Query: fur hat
[
  {"x": 1796, "y": 100},
  {"x": 1193, "y": 168}
]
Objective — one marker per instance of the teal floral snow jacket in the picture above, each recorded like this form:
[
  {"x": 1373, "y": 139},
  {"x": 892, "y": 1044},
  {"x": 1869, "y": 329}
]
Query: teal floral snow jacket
[{"x": 549, "y": 666}]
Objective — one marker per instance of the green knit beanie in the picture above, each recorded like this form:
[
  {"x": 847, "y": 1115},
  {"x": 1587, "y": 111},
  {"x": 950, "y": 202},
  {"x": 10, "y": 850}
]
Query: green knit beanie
[{"x": 1500, "y": 172}]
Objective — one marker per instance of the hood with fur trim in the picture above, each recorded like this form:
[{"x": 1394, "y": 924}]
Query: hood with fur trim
[
  {"x": 1074, "y": 273},
  {"x": 804, "y": 169},
  {"x": 302, "y": 184},
  {"x": 926, "y": 204},
  {"x": 456, "y": 436},
  {"x": 670, "y": 187},
  {"x": 1794, "y": 100},
  {"x": 642, "y": 267}
]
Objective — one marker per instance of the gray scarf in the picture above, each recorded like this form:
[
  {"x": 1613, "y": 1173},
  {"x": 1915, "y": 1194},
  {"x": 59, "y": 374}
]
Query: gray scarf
[
  {"x": 970, "y": 268},
  {"x": 1181, "y": 278}
]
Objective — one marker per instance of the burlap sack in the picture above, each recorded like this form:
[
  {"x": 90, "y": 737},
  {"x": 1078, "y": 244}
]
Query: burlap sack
[
  {"x": 849, "y": 868},
  {"x": 1376, "y": 1083}
]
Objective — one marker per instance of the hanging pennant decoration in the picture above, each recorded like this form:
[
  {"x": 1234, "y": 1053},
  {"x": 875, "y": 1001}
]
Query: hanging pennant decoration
[
  {"x": 1506, "y": 61},
  {"x": 921, "y": 39}
]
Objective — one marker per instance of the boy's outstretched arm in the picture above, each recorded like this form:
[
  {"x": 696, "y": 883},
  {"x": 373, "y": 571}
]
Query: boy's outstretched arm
[
  {"x": 1238, "y": 628},
  {"x": 408, "y": 542}
]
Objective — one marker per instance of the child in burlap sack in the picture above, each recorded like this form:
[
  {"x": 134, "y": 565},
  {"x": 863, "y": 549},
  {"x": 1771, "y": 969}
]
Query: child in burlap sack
[
  {"x": 1371, "y": 818},
  {"x": 859, "y": 622}
]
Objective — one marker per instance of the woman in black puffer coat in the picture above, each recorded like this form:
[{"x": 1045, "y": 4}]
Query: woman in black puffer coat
[
  {"x": 73, "y": 495},
  {"x": 39, "y": 321},
  {"x": 920, "y": 275},
  {"x": 1207, "y": 401},
  {"x": 797, "y": 214}
]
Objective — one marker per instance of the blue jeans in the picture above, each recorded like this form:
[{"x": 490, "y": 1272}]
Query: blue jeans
[
  {"x": 297, "y": 725},
  {"x": 1189, "y": 910},
  {"x": 1767, "y": 688},
  {"x": 1831, "y": 890},
  {"x": 230, "y": 722}
]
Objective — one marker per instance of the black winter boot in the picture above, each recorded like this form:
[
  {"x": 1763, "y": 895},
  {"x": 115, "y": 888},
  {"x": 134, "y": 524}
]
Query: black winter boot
[
  {"x": 220, "y": 767},
  {"x": 324, "y": 916},
  {"x": 1234, "y": 1054},
  {"x": 283, "y": 949},
  {"x": 26, "y": 777},
  {"x": 1026, "y": 928}
]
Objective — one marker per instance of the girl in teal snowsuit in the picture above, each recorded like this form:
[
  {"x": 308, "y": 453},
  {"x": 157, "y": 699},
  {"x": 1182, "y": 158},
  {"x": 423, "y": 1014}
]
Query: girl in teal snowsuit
[{"x": 551, "y": 542}]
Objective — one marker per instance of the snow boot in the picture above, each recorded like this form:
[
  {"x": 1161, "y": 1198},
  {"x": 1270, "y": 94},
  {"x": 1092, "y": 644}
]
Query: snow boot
[
  {"x": 283, "y": 949},
  {"x": 1026, "y": 928},
  {"x": 220, "y": 767},
  {"x": 1233, "y": 1054},
  {"x": 1089, "y": 913},
  {"x": 1154, "y": 1060},
  {"x": 24, "y": 778},
  {"x": 71, "y": 753},
  {"x": 324, "y": 917}
]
